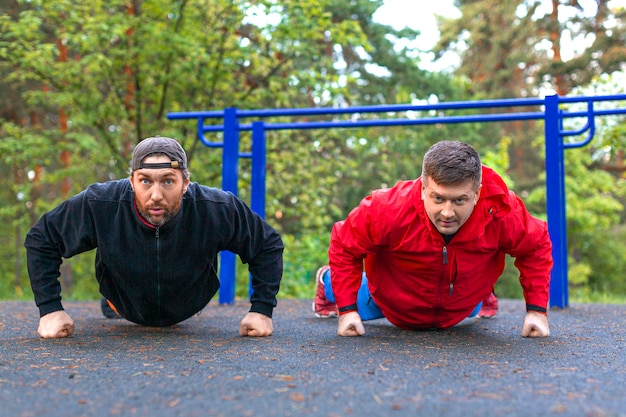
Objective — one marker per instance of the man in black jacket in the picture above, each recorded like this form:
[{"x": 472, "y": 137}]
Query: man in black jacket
[{"x": 157, "y": 236}]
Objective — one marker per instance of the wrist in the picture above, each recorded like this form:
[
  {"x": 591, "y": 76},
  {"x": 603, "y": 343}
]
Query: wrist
[
  {"x": 536, "y": 309},
  {"x": 347, "y": 309},
  {"x": 50, "y": 307},
  {"x": 262, "y": 308}
]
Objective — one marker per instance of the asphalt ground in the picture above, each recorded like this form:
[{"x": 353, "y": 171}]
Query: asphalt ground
[{"x": 201, "y": 367}]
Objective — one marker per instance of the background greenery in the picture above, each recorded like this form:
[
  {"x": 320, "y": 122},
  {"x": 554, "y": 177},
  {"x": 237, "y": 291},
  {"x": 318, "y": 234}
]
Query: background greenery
[{"x": 84, "y": 81}]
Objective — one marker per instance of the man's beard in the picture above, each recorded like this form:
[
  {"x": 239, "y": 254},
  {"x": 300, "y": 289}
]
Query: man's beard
[
  {"x": 166, "y": 217},
  {"x": 168, "y": 214}
]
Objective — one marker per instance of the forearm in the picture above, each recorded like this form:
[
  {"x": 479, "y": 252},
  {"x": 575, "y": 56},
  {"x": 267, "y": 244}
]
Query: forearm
[
  {"x": 43, "y": 271},
  {"x": 346, "y": 272},
  {"x": 536, "y": 290},
  {"x": 264, "y": 290},
  {"x": 532, "y": 250},
  {"x": 535, "y": 272},
  {"x": 345, "y": 257},
  {"x": 266, "y": 270},
  {"x": 61, "y": 233}
]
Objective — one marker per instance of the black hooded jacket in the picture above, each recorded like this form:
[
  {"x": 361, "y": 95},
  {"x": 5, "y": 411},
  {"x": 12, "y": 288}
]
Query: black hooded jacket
[{"x": 154, "y": 276}]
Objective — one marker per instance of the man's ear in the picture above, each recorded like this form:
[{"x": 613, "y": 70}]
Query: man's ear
[
  {"x": 423, "y": 188},
  {"x": 480, "y": 187}
]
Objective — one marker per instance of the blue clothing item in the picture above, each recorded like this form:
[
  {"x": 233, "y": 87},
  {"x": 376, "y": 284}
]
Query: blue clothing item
[
  {"x": 474, "y": 312},
  {"x": 366, "y": 306}
]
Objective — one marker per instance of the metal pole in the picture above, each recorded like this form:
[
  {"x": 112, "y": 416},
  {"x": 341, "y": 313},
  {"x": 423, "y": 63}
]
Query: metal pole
[
  {"x": 230, "y": 159},
  {"x": 555, "y": 201},
  {"x": 259, "y": 158},
  {"x": 257, "y": 187}
]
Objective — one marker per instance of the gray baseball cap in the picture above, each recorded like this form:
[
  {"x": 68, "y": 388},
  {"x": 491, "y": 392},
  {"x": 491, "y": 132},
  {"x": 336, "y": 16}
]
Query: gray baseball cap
[{"x": 159, "y": 145}]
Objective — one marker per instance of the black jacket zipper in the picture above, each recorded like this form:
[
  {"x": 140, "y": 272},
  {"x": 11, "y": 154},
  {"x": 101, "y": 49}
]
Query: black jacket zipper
[{"x": 158, "y": 265}]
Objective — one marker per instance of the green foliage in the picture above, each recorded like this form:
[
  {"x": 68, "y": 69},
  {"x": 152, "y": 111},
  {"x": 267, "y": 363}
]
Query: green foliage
[
  {"x": 586, "y": 295},
  {"x": 508, "y": 285},
  {"x": 303, "y": 256},
  {"x": 515, "y": 48},
  {"x": 603, "y": 253},
  {"x": 578, "y": 274},
  {"x": 498, "y": 159}
]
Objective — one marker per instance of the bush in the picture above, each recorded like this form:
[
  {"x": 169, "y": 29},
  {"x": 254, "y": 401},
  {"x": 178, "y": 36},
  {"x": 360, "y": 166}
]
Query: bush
[
  {"x": 604, "y": 253},
  {"x": 303, "y": 255}
]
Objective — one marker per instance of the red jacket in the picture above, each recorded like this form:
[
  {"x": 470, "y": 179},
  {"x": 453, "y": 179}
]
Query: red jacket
[{"x": 403, "y": 254}]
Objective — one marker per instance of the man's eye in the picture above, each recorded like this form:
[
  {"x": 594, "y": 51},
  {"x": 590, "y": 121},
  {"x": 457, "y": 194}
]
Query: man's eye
[
  {"x": 145, "y": 181},
  {"x": 168, "y": 182}
]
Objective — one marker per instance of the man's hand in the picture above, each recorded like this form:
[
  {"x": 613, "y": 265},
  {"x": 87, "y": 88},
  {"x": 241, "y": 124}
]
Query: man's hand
[
  {"x": 256, "y": 324},
  {"x": 56, "y": 325},
  {"x": 350, "y": 324},
  {"x": 535, "y": 325}
]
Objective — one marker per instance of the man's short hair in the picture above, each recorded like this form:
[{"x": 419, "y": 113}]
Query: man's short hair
[{"x": 452, "y": 162}]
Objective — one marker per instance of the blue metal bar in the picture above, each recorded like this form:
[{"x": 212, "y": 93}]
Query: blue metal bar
[
  {"x": 181, "y": 115},
  {"x": 259, "y": 163},
  {"x": 230, "y": 160},
  {"x": 394, "y": 122},
  {"x": 590, "y": 118},
  {"x": 609, "y": 97},
  {"x": 611, "y": 112},
  {"x": 399, "y": 122},
  {"x": 590, "y": 125},
  {"x": 555, "y": 202},
  {"x": 200, "y": 129},
  {"x": 388, "y": 108},
  {"x": 259, "y": 158},
  {"x": 480, "y": 104}
]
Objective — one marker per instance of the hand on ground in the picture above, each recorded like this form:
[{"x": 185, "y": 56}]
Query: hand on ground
[
  {"x": 535, "y": 325},
  {"x": 350, "y": 324},
  {"x": 256, "y": 324},
  {"x": 56, "y": 325}
]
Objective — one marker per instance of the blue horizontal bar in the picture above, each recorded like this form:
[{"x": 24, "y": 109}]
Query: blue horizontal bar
[
  {"x": 610, "y": 112},
  {"x": 579, "y": 99},
  {"x": 387, "y": 122},
  {"x": 393, "y": 108}
]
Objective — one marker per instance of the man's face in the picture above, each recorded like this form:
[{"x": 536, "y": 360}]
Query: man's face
[
  {"x": 158, "y": 192},
  {"x": 449, "y": 206}
]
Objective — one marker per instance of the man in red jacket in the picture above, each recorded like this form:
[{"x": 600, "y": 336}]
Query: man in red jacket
[{"x": 426, "y": 253}]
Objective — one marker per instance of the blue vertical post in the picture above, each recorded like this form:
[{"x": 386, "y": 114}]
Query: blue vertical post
[
  {"x": 230, "y": 160},
  {"x": 259, "y": 158},
  {"x": 555, "y": 201}
]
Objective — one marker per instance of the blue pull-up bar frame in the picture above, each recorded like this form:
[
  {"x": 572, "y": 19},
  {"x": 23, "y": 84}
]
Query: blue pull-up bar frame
[{"x": 548, "y": 110}]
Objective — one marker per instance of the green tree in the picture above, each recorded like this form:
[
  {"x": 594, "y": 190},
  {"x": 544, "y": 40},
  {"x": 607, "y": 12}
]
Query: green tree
[{"x": 514, "y": 48}]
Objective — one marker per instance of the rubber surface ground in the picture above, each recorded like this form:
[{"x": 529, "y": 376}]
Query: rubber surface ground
[{"x": 201, "y": 367}]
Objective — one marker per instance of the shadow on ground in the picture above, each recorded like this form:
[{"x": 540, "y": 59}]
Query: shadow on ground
[{"x": 201, "y": 367}]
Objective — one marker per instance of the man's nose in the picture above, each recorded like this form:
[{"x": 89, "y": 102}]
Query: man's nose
[
  {"x": 157, "y": 194},
  {"x": 447, "y": 210}
]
